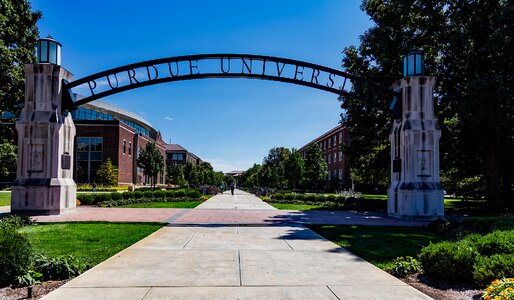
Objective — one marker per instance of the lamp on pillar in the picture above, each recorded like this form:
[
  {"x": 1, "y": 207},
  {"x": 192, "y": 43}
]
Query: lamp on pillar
[
  {"x": 48, "y": 51},
  {"x": 414, "y": 64}
]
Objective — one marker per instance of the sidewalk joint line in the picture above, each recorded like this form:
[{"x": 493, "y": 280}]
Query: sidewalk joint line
[
  {"x": 333, "y": 292},
  {"x": 194, "y": 234},
  {"x": 240, "y": 268},
  {"x": 144, "y": 296},
  {"x": 282, "y": 238}
]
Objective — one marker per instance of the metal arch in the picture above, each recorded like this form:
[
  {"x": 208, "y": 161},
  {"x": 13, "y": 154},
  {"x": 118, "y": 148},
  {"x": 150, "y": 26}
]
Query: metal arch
[{"x": 334, "y": 76}]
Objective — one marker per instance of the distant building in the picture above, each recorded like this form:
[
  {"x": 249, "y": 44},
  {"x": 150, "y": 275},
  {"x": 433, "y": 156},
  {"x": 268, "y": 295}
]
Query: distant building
[
  {"x": 330, "y": 143},
  {"x": 106, "y": 131},
  {"x": 235, "y": 173},
  {"x": 178, "y": 154}
]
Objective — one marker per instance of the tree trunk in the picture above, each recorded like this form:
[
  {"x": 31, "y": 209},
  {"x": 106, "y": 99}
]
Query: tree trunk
[{"x": 493, "y": 189}]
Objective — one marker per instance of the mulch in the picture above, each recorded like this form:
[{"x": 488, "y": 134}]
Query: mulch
[
  {"x": 38, "y": 292},
  {"x": 442, "y": 290}
]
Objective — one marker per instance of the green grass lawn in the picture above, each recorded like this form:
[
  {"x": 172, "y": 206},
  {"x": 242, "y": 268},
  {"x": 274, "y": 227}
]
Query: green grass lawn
[
  {"x": 378, "y": 245},
  {"x": 375, "y": 197},
  {"x": 5, "y": 199},
  {"x": 92, "y": 243},
  {"x": 287, "y": 206},
  {"x": 164, "y": 205}
]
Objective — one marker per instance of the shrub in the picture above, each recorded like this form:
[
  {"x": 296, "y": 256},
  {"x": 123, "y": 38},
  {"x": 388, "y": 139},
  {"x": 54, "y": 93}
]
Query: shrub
[
  {"x": 289, "y": 197},
  {"x": 169, "y": 194},
  {"x": 449, "y": 260},
  {"x": 127, "y": 195},
  {"x": 310, "y": 197},
  {"x": 488, "y": 268},
  {"x": 159, "y": 195},
  {"x": 497, "y": 242},
  {"x": 277, "y": 196},
  {"x": 180, "y": 193},
  {"x": 193, "y": 194},
  {"x": 58, "y": 268},
  {"x": 320, "y": 198},
  {"x": 148, "y": 194},
  {"x": 85, "y": 199},
  {"x": 500, "y": 289},
  {"x": 116, "y": 196},
  {"x": 330, "y": 198},
  {"x": 15, "y": 221},
  {"x": 299, "y": 197},
  {"x": 403, "y": 266},
  {"x": 16, "y": 252},
  {"x": 102, "y": 197},
  {"x": 138, "y": 194}
]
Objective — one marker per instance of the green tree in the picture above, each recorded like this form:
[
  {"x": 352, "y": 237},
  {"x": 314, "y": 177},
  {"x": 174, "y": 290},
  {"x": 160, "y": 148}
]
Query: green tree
[
  {"x": 469, "y": 46},
  {"x": 107, "y": 173},
  {"x": 18, "y": 37},
  {"x": 7, "y": 158},
  {"x": 175, "y": 175},
  {"x": 152, "y": 162},
  {"x": 274, "y": 166},
  {"x": 294, "y": 168},
  {"x": 315, "y": 166},
  {"x": 250, "y": 177}
]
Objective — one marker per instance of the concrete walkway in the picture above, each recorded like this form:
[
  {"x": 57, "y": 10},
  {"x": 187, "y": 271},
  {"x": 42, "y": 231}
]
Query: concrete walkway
[
  {"x": 235, "y": 262},
  {"x": 240, "y": 200}
]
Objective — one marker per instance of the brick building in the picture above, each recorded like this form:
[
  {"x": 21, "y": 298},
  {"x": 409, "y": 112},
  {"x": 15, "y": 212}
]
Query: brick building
[
  {"x": 178, "y": 154},
  {"x": 330, "y": 143},
  {"x": 106, "y": 131}
]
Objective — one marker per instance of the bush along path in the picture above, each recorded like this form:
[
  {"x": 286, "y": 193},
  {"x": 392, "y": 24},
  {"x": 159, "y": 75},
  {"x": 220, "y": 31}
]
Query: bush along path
[
  {"x": 481, "y": 255},
  {"x": 126, "y": 198},
  {"x": 330, "y": 202}
]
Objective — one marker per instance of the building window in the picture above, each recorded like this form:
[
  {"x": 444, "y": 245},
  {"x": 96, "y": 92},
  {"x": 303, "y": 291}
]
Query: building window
[
  {"x": 340, "y": 155},
  {"x": 335, "y": 157},
  {"x": 130, "y": 148},
  {"x": 89, "y": 157},
  {"x": 340, "y": 173},
  {"x": 330, "y": 143},
  {"x": 124, "y": 147},
  {"x": 329, "y": 160},
  {"x": 340, "y": 137}
]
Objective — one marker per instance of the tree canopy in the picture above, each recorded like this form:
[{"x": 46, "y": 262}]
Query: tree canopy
[
  {"x": 469, "y": 46},
  {"x": 152, "y": 162}
]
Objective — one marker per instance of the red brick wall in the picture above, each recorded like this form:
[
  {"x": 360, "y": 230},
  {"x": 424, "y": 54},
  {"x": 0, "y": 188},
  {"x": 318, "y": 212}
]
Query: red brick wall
[{"x": 125, "y": 160}]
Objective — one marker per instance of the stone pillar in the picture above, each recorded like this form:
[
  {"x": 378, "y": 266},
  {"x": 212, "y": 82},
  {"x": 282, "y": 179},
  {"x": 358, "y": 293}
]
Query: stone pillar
[
  {"x": 44, "y": 183},
  {"x": 415, "y": 191}
]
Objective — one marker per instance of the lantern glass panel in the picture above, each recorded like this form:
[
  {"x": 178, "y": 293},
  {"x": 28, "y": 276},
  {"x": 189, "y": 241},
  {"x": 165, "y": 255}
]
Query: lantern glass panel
[
  {"x": 58, "y": 55},
  {"x": 44, "y": 51},
  {"x": 404, "y": 65},
  {"x": 53, "y": 53},
  {"x": 411, "y": 65},
  {"x": 419, "y": 64}
]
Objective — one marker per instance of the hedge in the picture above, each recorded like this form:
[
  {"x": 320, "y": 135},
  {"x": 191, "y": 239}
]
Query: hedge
[
  {"x": 145, "y": 200},
  {"x": 331, "y": 201},
  {"x": 157, "y": 195}
]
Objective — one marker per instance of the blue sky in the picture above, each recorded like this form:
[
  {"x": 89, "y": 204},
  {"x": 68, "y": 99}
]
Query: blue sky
[{"x": 231, "y": 123}]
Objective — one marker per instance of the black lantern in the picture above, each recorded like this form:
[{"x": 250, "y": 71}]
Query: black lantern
[
  {"x": 413, "y": 64},
  {"x": 48, "y": 51}
]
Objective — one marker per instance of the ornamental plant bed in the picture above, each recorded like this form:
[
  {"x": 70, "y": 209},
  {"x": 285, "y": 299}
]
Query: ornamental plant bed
[{"x": 39, "y": 290}]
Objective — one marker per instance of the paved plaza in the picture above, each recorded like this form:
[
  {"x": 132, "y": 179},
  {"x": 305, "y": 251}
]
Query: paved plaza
[{"x": 233, "y": 260}]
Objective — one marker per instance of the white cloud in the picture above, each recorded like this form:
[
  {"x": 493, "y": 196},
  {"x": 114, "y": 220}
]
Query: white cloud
[{"x": 168, "y": 118}]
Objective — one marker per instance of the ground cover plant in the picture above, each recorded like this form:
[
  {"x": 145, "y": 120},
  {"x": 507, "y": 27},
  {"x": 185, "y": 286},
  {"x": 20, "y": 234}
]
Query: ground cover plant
[
  {"x": 5, "y": 199},
  {"x": 325, "y": 201}
]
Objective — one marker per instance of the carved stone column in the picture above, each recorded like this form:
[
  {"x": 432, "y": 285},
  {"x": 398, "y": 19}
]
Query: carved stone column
[
  {"x": 415, "y": 191},
  {"x": 44, "y": 183}
]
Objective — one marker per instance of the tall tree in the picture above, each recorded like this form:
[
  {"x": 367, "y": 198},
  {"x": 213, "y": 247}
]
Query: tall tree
[
  {"x": 294, "y": 168},
  {"x": 152, "y": 162},
  {"x": 7, "y": 158},
  {"x": 469, "y": 46},
  {"x": 175, "y": 174},
  {"x": 107, "y": 173},
  {"x": 18, "y": 36},
  {"x": 274, "y": 164},
  {"x": 315, "y": 166}
]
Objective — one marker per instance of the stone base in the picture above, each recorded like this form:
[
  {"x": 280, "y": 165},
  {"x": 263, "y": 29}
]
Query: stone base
[
  {"x": 415, "y": 200},
  {"x": 43, "y": 196}
]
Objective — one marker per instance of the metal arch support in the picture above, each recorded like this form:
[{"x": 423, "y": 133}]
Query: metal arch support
[{"x": 200, "y": 66}]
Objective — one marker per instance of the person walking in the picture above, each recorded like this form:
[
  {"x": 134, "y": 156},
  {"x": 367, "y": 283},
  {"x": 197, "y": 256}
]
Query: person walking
[{"x": 232, "y": 187}]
